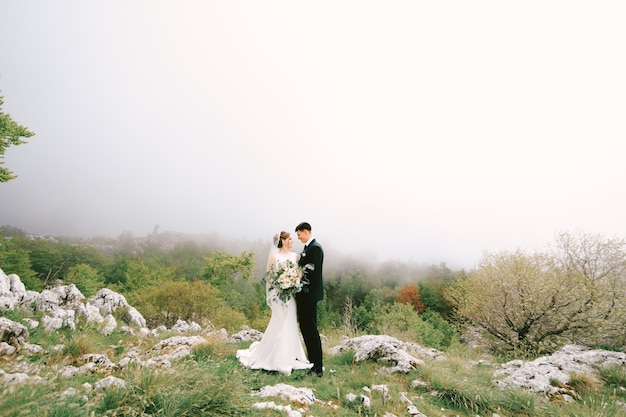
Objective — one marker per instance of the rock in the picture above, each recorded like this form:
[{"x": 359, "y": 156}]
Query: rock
[
  {"x": 51, "y": 324},
  {"x": 70, "y": 392},
  {"x": 110, "y": 324},
  {"x": 182, "y": 326},
  {"x": 101, "y": 360},
  {"x": 270, "y": 405},
  {"x": 387, "y": 350},
  {"x": 33, "y": 349},
  {"x": 134, "y": 317},
  {"x": 32, "y": 324},
  {"x": 6, "y": 349},
  {"x": 176, "y": 341},
  {"x": 12, "y": 290},
  {"x": 68, "y": 294},
  {"x": 108, "y": 301},
  {"x": 246, "y": 335},
  {"x": 384, "y": 389},
  {"x": 366, "y": 401},
  {"x": 218, "y": 335},
  {"x": 126, "y": 329},
  {"x": 536, "y": 375},
  {"x": 89, "y": 312},
  {"x": 12, "y": 332},
  {"x": 412, "y": 410},
  {"x": 405, "y": 399},
  {"x": 290, "y": 393},
  {"x": 18, "y": 378},
  {"x": 47, "y": 301},
  {"x": 108, "y": 382}
]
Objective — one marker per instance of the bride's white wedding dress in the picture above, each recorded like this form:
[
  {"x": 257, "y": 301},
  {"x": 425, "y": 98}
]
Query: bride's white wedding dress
[{"x": 280, "y": 349}]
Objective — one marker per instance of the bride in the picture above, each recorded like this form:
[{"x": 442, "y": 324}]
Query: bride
[{"x": 280, "y": 349}]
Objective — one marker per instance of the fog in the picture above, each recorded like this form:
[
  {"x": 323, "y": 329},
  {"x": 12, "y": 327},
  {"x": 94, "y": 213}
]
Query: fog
[{"x": 426, "y": 132}]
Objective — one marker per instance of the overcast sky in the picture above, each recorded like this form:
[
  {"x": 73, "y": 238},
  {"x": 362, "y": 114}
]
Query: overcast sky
[{"x": 410, "y": 130}]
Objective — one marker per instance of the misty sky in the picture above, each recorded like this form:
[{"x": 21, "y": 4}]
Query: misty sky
[{"x": 422, "y": 131}]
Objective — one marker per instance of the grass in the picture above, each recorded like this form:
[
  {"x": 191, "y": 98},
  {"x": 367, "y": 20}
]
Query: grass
[{"x": 211, "y": 382}]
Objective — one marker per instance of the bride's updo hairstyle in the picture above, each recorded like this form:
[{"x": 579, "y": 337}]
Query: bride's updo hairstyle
[{"x": 283, "y": 235}]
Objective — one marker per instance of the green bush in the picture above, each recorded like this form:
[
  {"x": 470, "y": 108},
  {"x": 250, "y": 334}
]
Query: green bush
[
  {"x": 197, "y": 301},
  {"x": 400, "y": 320},
  {"x": 86, "y": 278}
]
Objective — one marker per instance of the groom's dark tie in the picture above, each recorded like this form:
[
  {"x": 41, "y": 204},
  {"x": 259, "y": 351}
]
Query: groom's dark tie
[{"x": 305, "y": 246}]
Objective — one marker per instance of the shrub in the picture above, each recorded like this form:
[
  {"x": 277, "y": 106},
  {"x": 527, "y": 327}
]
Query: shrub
[
  {"x": 87, "y": 279},
  {"x": 183, "y": 300},
  {"x": 400, "y": 320}
]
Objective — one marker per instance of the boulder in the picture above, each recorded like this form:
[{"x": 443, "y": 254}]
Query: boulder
[
  {"x": 387, "y": 350},
  {"x": 536, "y": 375},
  {"x": 12, "y": 332}
]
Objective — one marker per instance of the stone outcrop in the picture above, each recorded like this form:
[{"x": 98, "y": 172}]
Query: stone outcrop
[
  {"x": 64, "y": 305},
  {"x": 398, "y": 356},
  {"x": 12, "y": 333},
  {"x": 538, "y": 375},
  {"x": 245, "y": 335}
]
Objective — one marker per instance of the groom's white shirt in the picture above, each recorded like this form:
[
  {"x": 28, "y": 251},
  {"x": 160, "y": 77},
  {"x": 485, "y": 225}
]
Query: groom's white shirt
[{"x": 309, "y": 241}]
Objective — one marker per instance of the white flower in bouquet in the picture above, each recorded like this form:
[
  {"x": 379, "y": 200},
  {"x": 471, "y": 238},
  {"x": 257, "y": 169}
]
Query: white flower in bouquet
[{"x": 287, "y": 278}]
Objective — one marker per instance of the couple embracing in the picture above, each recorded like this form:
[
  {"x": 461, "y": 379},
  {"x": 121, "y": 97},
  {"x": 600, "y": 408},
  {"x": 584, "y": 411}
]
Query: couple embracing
[{"x": 280, "y": 349}]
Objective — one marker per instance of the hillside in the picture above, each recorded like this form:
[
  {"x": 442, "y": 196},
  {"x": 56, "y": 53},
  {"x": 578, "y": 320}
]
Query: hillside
[{"x": 63, "y": 354}]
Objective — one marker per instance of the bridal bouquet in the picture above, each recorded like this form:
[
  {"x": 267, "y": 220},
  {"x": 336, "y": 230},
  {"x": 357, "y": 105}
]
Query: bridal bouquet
[{"x": 287, "y": 279}]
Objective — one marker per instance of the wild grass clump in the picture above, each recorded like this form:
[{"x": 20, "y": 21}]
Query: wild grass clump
[
  {"x": 188, "y": 389},
  {"x": 516, "y": 402},
  {"x": 614, "y": 377},
  {"x": 39, "y": 399},
  {"x": 78, "y": 346},
  {"x": 584, "y": 384},
  {"x": 203, "y": 352},
  {"x": 15, "y": 314}
]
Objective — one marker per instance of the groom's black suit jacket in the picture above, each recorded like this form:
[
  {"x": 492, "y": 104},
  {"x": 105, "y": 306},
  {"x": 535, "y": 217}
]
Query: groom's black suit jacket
[{"x": 314, "y": 254}]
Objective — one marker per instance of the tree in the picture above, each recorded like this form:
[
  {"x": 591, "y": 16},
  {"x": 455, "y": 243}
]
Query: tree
[
  {"x": 230, "y": 274},
  {"x": 534, "y": 302},
  {"x": 141, "y": 274},
  {"x": 598, "y": 266},
  {"x": 11, "y": 133},
  {"x": 86, "y": 278},
  {"x": 16, "y": 261},
  {"x": 410, "y": 294}
]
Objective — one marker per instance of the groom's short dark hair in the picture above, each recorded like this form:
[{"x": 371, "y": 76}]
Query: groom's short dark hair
[{"x": 303, "y": 226}]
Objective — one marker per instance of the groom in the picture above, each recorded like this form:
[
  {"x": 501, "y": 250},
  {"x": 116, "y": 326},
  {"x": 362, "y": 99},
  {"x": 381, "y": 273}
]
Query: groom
[{"x": 307, "y": 301}]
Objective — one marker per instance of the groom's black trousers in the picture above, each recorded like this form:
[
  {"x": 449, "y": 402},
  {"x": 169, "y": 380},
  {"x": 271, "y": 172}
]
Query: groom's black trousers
[{"x": 307, "y": 317}]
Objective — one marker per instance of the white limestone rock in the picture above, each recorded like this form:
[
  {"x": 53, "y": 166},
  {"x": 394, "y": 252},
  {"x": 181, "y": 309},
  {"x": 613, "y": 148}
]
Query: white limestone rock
[
  {"x": 32, "y": 324},
  {"x": 10, "y": 330},
  {"x": 287, "y": 392},
  {"x": 134, "y": 317},
  {"x": 182, "y": 326},
  {"x": 89, "y": 312},
  {"x": 51, "y": 324},
  {"x": 6, "y": 349},
  {"x": 175, "y": 341},
  {"x": 536, "y": 375},
  {"x": 387, "y": 350},
  {"x": 109, "y": 325},
  {"x": 109, "y": 382},
  {"x": 246, "y": 335},
  {"x": 107, "y": 301}
]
